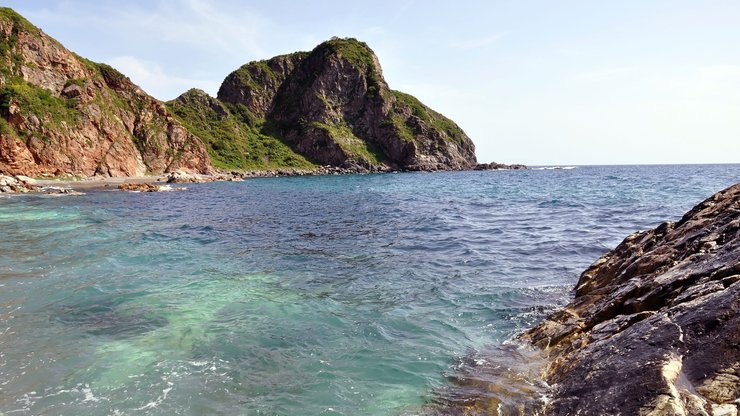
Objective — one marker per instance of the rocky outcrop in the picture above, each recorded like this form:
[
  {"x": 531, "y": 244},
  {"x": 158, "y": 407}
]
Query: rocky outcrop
[
  {"x": 184, "y": 177},
  {"x": 256, "y": 84},
  {"x": 498, "y": 166},
  {"x": 17, "y": 184},
  {"x": 654, "y": 328},
  {"x": 331, "y": 106},
  {"x": 147, "y": 187},
  {"x": 62, "y": 114}
]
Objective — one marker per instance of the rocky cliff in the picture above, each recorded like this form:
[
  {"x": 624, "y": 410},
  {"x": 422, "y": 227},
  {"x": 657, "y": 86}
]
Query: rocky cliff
[
  {"x": 62, "y": 114},
  {"x": 654, "y": 329},
  {"x": 331, "y": 106}
]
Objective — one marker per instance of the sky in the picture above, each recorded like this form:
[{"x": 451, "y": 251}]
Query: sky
[{"x": 547, "y": 82}]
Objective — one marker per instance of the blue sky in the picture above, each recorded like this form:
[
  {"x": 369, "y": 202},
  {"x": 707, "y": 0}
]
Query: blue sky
[{"x": 536, "y": 82}]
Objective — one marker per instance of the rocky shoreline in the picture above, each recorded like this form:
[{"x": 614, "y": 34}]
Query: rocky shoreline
[
  {"x": 70, "y": 184},
  {"x": 653, "y": 330}
]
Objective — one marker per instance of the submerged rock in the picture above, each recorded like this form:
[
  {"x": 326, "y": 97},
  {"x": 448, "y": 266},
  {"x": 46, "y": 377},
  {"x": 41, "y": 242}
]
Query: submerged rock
[
  {"x": 654, "y": 327},
  {"x": 147, "y": 187}
]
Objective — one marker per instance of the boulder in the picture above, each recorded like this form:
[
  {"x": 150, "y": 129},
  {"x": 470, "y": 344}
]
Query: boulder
[
  {"x": 17, "y": 184},
  {"x": 147, "y": 187}
]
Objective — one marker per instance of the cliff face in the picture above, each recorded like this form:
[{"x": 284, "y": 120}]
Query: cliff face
[
  {"x": 654, "y": 329},
  {"x": 333, "y": 107},
  {"x": 62, "y": 114}
]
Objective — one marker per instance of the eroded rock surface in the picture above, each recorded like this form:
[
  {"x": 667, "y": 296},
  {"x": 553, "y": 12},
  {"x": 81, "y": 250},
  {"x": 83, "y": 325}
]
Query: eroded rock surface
[{"x": 654, "y": 327}]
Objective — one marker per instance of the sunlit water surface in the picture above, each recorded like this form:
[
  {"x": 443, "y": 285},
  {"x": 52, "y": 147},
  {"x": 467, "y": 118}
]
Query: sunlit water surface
[{"x": 336, "y": 295}]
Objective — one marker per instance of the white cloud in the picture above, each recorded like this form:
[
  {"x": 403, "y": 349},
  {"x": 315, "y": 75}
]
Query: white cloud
[
  {"x": 153, "y": 79},
  {"x": 197, "y": 23},
  {"x": 231, "y": 29}
]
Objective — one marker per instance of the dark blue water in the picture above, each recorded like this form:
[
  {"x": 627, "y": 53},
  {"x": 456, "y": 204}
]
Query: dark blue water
[{"x": 349, "y": 295}]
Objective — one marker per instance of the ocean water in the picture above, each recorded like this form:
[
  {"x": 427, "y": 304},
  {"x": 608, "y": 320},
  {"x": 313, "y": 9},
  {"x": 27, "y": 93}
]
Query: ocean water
[{"x": 336, "y": 295}]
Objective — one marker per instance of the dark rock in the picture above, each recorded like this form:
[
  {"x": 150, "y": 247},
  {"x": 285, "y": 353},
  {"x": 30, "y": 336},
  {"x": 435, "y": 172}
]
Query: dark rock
[
  {"x": 72, "y": 91},
  {"x": 498, "y": 166},
  {"x": 147, "y": 187},
  {"x": 654, "y": 327},
  {"x": 333, "y": 107}
]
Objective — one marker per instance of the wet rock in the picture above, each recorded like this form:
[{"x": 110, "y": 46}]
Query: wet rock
[
  {"x": 654, "y": 328},
  {"x": 147, "y": 187},
  {"x": 498, "y": 166}
]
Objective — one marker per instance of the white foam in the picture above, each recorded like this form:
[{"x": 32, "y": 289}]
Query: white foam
[{"x": 555, "y": 168}]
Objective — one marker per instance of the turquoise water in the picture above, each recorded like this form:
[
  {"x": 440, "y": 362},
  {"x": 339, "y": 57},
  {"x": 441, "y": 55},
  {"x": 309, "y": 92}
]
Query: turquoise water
[{"x": 337, "y": 295}]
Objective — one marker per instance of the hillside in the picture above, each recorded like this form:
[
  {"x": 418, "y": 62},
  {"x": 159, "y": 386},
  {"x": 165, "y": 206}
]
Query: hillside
[
  {"x": 62, "y": 114},
  {"x": 330, "y": 105}
]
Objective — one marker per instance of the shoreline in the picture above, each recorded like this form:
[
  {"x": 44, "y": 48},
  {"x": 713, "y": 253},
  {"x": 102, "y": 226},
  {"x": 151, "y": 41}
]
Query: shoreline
[
  {"x": 112, "y": 182},
  {"x": 98, "y": 183},
  {"x": 660, "y": 311}
]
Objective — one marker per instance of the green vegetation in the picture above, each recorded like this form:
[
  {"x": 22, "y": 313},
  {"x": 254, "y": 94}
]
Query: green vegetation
[
  {"x": 5, "y": 128},
  {"x": 255, "y": 74},
  {"x": 38, "y": 101},
  {"x": 360, "y": 56},
  {"x": 19, "y": 22},
  {"x": 429, "y": 116},
  {"x": 354, "y": 147},
  {"x": 402, "y": 128},
  {"x": 112, "y": 76},
  {"x": 261, "y": 71},
  {"x": 231, "y": 142},
  {"x": 7, "y": 44},
  {"x": 92, "y": 66}
]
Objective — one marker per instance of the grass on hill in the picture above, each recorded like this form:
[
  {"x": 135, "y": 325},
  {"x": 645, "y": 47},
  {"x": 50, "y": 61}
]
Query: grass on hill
[
  {"x": 354, "y": 147},
  {"x": 430, "y": 117},
  {"x": 230, "y": 141}
]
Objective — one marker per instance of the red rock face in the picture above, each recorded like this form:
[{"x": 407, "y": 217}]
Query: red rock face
[{"x": 98, "y": 123}]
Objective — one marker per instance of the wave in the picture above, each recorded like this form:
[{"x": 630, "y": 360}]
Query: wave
[{"x": 555, "y": 168}]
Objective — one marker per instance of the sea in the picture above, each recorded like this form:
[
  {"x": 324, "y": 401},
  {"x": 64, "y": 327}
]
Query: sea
[{"x": 327, "y": 295}]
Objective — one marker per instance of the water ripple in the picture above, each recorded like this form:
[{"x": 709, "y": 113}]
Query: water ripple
[{"x": 351, "y": 295}]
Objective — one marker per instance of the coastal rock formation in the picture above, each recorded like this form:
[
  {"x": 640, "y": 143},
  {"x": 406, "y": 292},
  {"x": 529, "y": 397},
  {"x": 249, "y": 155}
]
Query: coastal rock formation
[
  {"x": 654, "y": 328},
  {"x": 498, "y": 166},
  {"x": 147, "y": 187},
  {"x": 17, "y": 184},
  {"x": 62, "y": 114},
  {"x": 332, "y": 107}
]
